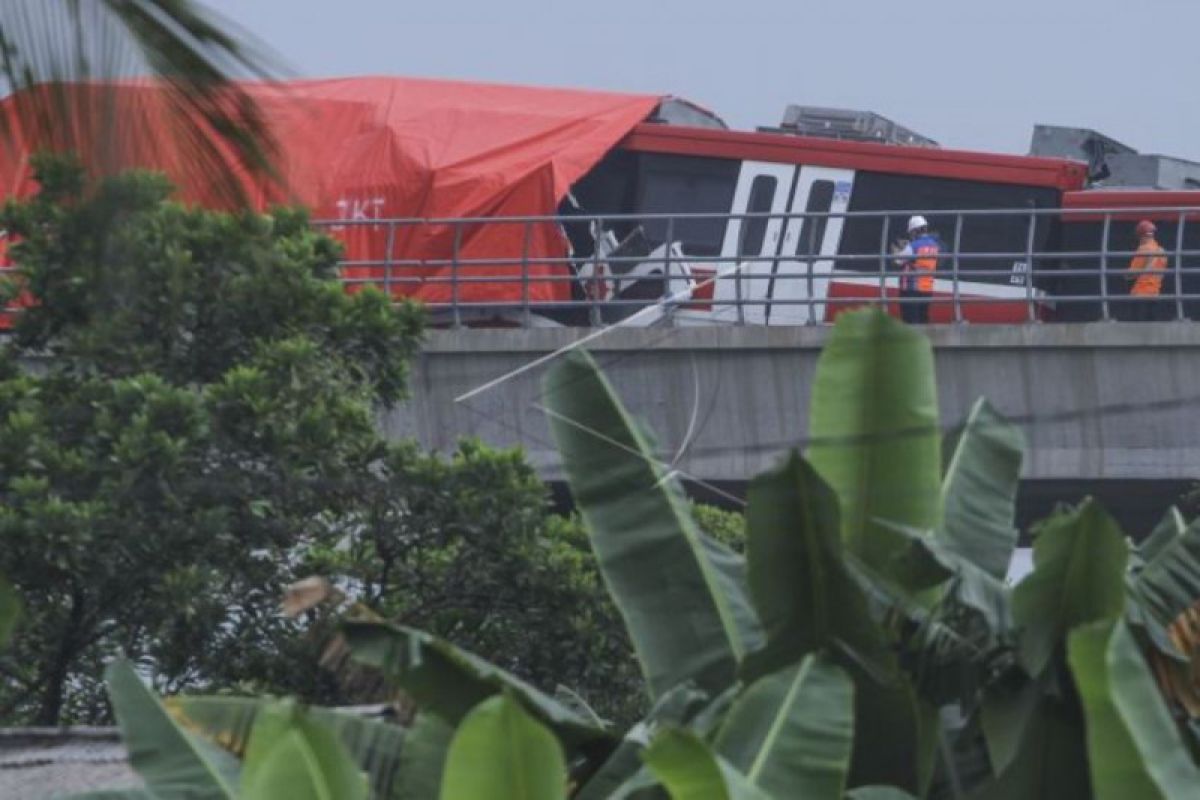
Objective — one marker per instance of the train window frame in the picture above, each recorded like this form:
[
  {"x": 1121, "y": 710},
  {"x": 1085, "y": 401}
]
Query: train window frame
[
  {"x": 714, "y": 194},
  {"x": 812, "y": 230},
  {"x": 933, "y": 197},
  {"x": 755, "y": 228}
]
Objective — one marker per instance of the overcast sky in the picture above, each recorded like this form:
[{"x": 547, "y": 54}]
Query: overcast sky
[{"x": 970, "y": 73}]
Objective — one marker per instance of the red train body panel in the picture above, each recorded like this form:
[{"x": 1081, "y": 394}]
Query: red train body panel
[{"x": 797, "y": 232}]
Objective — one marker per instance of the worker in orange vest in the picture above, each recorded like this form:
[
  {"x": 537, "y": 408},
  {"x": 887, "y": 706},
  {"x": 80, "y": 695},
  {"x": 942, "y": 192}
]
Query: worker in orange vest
[
  {"x": 1146, "y": 273},
  {"x": 918, "y": 260}
]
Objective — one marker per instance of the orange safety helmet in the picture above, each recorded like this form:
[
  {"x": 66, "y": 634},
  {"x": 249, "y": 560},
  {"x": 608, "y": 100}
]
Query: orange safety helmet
[{"x": 1146, "y": 228}]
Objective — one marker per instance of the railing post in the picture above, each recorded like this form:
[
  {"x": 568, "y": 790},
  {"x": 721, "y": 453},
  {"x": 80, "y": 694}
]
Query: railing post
[
  {"x": 1029, "y": 272},
  {"x": 810, "y": 259},
  {"x": 883, "y": 260},
  {"x": 387, "y": 260},
  {"x": 1105, "y": 310},
  {"x": 958, "y": 219},
  {"x": 597, "y": 280},
  {"x": 737, "y": 274},
  {"x": 1179, "y": 266},
  {"x": 669, "y": 310},
  {"x": 526, "y": 312},
  {"x": 455, "y": 312}
]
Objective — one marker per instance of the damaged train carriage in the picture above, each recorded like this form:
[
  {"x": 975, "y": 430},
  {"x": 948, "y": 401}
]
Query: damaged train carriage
[
  {"x": 764, "y": 269},
  {"x": 429, "y": 182}
]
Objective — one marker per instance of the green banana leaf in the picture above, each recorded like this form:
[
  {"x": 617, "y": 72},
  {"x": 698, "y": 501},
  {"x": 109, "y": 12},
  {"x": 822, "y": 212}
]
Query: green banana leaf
[
  {"x": 930, "y": 561},
  {"x": 805, "y": 597},
  {"x": 791, "y": 733},
  {"x": 172, "y": 762},
  {"x": 878, "y": 793},
  {"x": 1051, "y": 761},
  {"x": 571, "y": 699},
  {"x": 1169, "y": 528},
  {"x": 660, "y": 568},
  {"x": 449, "y": 682},
  {"x": 376, "y": 746},
  {"x": 811, "y": 597},
  {"x": 1117, "y": 769},
  {"x": 894, "y": 738},
  {"x": 423, "y": 759},
  {"x": 293, "y": 756},
  {"x": 113, "y": 794},
  {"x": 623, "y": 770},
  {"x": 500, "y": 752},
  {"x": 691, "y": 771},
  {"x": 1005, "y": 715},
  {"x": 1144, "y": 713},
  {"x": 873, "y": 426},
  {"x": 979, "y": 491},
  {"x": 1079, "y": 559},
  {"x": 10, "y": 610},
  {"x": 1168, "y": 581},
  {"x": 895, "y": 734}
]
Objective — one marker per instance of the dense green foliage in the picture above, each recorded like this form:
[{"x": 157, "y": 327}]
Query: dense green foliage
[
  {"x": 186, "y": 427},
  {"x": 466, "y": 548},
  {"x": 185, "y": 408},
  {"x": 827, "y": 663}
]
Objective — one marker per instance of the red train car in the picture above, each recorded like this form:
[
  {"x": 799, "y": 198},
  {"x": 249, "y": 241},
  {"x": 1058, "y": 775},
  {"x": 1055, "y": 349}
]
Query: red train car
[
  {"x": 1088, "y": 227},
  {"x": 802, "y": 271},
  {"x": 363, "y": 151}
]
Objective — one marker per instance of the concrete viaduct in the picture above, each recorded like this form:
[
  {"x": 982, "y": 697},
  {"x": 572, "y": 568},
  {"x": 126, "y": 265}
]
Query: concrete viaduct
[{"x": 1108, "y": 408}]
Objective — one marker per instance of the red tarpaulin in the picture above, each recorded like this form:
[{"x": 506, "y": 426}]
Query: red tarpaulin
[{"x": 360, "y": 149}]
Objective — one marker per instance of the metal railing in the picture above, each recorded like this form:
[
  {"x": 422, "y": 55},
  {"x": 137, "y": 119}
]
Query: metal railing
[{"x": 756, "y": 268}]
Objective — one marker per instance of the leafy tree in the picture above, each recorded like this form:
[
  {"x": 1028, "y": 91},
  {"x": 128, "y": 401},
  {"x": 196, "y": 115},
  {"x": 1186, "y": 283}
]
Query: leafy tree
[
  {"x": 194, "y": 431},
  {"x": 196, "y": 410},
  {"x": 727, "y": 527},
  {"x": 465, "y": 548}
]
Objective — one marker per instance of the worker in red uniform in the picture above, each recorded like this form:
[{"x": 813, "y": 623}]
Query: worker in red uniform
[
  {"x": 918, "y": 262},
  {"x": 1146, "y": 273}
]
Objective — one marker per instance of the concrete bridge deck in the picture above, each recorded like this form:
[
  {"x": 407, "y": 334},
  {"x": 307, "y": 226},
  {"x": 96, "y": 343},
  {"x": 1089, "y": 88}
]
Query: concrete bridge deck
[{"x": 1098, "y": 401}]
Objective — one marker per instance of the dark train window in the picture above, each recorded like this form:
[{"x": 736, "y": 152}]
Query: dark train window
[
  {"x": 1086, "y": 236},
  {"x": 812, "y": 233},
  {"x": 754, "y": 230},
  {"x": 608, "y": 188},
  {"x": 687, "y": 185},
  {"x": 916, "y": 194}
]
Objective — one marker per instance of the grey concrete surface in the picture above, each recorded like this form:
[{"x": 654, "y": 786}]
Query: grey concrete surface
[
  {"x": 1097, "y": 401},
  {"x": 39, "y": 763}
]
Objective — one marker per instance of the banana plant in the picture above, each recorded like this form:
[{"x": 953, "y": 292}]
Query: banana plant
[
  {"x": 288, "y": 754},
  {"x": 1163, "y": 580},
  {"x": 794, "y": 536},
  {"x": 1134, "y": 747},
  {"x": 499, "y": 750},
  {"x": 449, "y": 682},
  {"x": 380, "y": 749},
  {"x": 656, "y": 561},
  {"x": 818, "y": 666},
  {"x": 924, "y": 552},
  {"x": 874, "y": 433},
  {"x": 792, "y": 732},
  {"x": 690, "y": 770}
]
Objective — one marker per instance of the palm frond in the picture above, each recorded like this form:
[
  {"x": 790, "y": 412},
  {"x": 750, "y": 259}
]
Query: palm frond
[{"x": 126, "y": 83}]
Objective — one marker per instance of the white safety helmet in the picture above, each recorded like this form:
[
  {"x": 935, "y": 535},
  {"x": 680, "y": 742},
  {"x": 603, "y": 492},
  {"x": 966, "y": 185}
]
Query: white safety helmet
[{"x": 916, "y": 222}]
